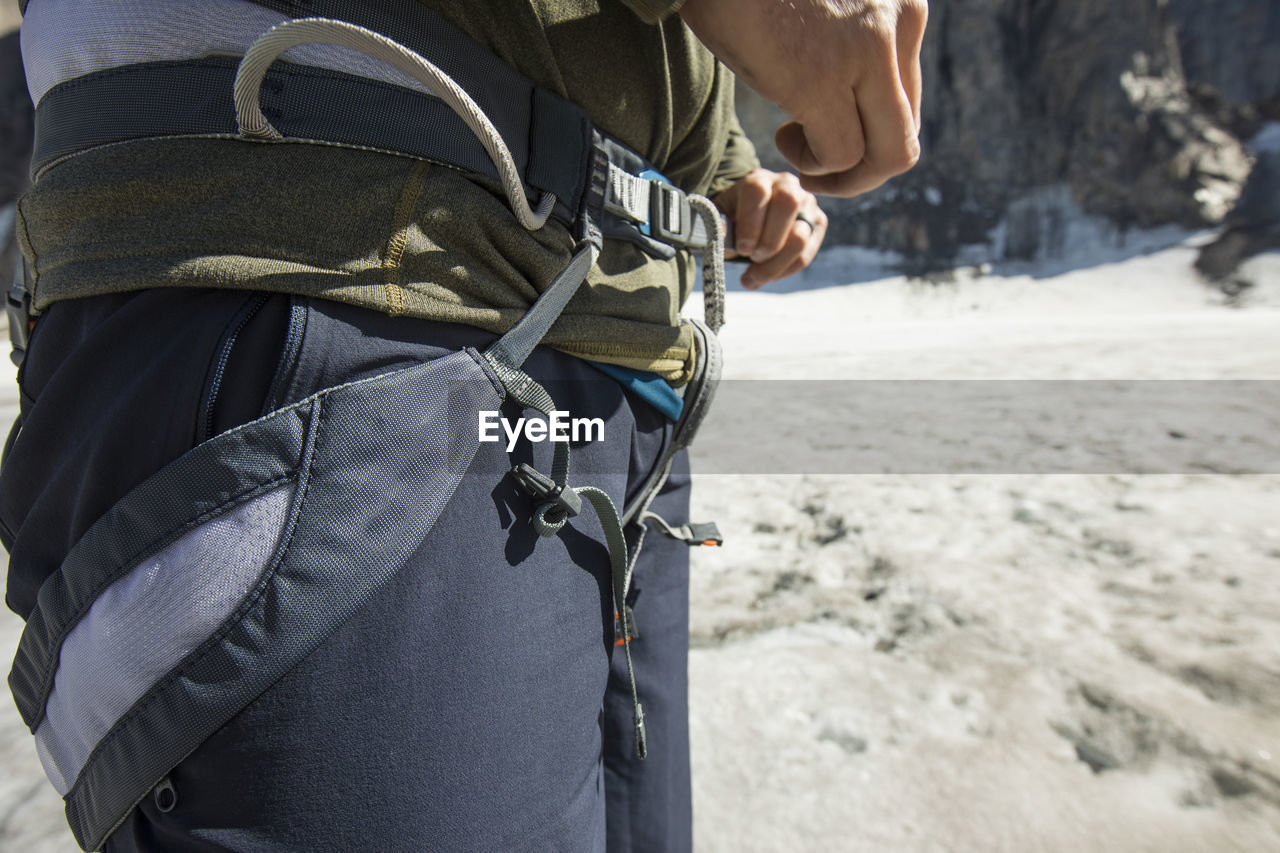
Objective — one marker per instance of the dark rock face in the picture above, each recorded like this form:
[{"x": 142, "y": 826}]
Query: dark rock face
[
  {"x": 1036, "y": 109},
  {"x": 1251, "y": 228},
  {"x": 1230, "y": 46}
]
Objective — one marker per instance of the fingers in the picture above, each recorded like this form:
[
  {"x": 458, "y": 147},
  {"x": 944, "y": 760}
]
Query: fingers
[
  {"x": 853, "y": 140},
  {"x": 784, "y": 203},
  {"x": 753, "y": 194},
  {"x": 727, "y": 203},
  {"x": 766, "y": 209},
  {"x": 892, "y": 141},
  {"x": 796, "y": 249},
  {"x": 847, "y": 72},
  {"x": 829, "y": 140}
]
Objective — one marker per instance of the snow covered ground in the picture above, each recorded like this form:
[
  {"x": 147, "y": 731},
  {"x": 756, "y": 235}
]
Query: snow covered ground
[
  {"x": 959, "y": 661},
  {"x": 994, "y": 662}
]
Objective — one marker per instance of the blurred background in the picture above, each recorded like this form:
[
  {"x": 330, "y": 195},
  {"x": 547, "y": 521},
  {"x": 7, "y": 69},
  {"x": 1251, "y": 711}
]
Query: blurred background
[{"x": 955, "y": 660}]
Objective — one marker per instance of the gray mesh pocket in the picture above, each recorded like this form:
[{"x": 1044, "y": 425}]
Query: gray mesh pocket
[{"x": 145, "y": 623}]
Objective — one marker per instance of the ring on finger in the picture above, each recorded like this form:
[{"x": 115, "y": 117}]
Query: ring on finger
[{"x": 807, "y": 220}]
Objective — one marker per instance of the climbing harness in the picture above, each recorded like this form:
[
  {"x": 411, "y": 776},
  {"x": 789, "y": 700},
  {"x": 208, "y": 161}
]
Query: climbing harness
[{"x": 104, "y": 756}]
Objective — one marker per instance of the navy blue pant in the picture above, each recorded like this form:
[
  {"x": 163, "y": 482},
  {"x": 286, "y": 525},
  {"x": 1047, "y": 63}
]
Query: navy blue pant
[{"x": 475, "y": 703}]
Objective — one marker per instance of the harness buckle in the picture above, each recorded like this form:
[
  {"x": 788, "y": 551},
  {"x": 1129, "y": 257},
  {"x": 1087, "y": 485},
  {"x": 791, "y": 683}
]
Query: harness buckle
[
  {"x": 18, "y": 309},
  {"x": 670, "y": 218},
  {"x": 545, "y": 490}
]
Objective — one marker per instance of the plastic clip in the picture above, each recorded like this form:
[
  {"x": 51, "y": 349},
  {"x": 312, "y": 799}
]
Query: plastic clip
[
  {"x": 18, "y": 307},
  {"x": 545, "y": 490},
  {"x": 670, "y": 218}
]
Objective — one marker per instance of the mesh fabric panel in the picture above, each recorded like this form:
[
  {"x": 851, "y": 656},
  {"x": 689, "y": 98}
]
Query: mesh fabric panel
[
  {"x": 145, "y": 623},
  {"x": 65, "y": 39}
]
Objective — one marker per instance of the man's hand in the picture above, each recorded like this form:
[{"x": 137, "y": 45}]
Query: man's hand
[
  {"x": 771, "y": 215},
  {"x": 846, "y": 71}
]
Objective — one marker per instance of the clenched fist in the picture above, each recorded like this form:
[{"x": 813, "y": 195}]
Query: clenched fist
[{"x": 846, "y": 71}]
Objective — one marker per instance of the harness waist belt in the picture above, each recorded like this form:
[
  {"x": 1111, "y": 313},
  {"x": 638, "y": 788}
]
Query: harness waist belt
[
  {"x": 549, "y": 138},
  {"x": 551, "y": 141}
]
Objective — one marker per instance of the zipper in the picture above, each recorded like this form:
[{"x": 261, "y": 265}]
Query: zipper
[{"x": 218, "y": 368}]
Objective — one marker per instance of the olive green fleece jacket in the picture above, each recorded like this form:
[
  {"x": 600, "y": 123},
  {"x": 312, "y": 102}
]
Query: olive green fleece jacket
[{"x": 404, "y": 236}]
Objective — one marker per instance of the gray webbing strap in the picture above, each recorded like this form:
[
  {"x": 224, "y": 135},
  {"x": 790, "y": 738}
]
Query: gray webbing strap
[
  {"x": 557, "y": 500},
  {"x": 621, "y": 573},
  {"x": 690, "y": 533},
  {"x": 513, "y": 348},
  {"x": 562, "y": 501},
  {"x": 509, "y": 353},
  {"x": 664, "y": 210},
  {"x": 643, "y": 501}
]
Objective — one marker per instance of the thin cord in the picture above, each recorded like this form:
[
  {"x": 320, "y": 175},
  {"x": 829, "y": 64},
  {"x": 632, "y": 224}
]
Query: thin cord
[{"x": 267, "y": 49}]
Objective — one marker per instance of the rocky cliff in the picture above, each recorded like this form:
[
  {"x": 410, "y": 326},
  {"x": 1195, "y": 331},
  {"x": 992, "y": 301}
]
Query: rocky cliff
[{"x": 1035, "y": 110}]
